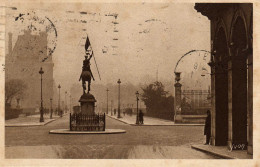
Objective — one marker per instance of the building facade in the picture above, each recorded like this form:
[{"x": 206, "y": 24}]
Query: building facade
[
  {"x": 24, "y": 61},
  {"x": 231, "y": 73}
]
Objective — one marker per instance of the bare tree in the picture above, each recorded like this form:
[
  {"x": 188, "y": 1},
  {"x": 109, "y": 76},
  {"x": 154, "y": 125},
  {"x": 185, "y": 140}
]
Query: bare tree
[{"x": 14, "y": 88}]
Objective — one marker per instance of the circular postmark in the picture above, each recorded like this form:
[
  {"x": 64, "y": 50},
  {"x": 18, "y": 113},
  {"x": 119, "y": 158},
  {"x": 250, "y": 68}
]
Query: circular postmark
[
  {"x": 43, "y": 31},
  {"x": 197, "y": 56},
  {"x": 194, "y": 69}
]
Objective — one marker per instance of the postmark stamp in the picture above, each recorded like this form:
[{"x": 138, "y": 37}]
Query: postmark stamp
[{"x": 37, "y": 24}]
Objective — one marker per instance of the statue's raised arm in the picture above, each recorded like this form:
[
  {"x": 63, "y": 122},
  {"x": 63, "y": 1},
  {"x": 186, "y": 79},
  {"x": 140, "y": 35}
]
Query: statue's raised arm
[{"x": 91, "y": 55}]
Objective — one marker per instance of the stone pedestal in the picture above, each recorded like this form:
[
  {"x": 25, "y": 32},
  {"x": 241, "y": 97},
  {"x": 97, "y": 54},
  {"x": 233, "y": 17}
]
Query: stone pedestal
[
  {"x": 177, "y": 104},
  {"x": 178, "y": 118},
  {"x": 87, "y": 104}
]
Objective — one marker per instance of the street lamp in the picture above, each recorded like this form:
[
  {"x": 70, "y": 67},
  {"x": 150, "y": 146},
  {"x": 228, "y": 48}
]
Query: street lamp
[
  {"x": 137, "y": 99},
  {"x": 41, "y": 110},
  {"x": 111, "y": 107},
  {"x": 51, "y": 108},
  {"x": 65, "y": 102},
  {"x": 70, "y": 103},
  {"x": 107, "y": 100},
  {"x": 59, "y": 102},
  {"x": 18, "y": 105},
  {"x": 119, "y": 82}
]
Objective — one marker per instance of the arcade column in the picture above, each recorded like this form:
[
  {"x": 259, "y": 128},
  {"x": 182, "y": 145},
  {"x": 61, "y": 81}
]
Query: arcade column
[
  {"x": 213, "y": 105},
  {"x": 250, "y": 104},
  {"x": 237, "y": 95}
]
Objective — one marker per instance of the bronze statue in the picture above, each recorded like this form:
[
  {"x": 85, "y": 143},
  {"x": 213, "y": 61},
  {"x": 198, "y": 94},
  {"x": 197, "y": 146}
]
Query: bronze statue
[{"x": 86, "y": 74}]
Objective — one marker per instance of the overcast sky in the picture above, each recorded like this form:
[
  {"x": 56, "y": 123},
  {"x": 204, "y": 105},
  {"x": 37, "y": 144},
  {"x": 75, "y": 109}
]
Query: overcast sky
[{"x": 150, "y": 37}]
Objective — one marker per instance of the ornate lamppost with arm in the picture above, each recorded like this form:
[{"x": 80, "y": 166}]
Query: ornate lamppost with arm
[{"x": 41, "y": 109}]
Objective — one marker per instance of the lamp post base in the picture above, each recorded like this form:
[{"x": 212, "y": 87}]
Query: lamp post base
[
  {"x": 137, "y": 120},
  {"x": 119, "y": 114},
  {"x": 41, "y": 119},
  {"x": 41, "y": 115}
]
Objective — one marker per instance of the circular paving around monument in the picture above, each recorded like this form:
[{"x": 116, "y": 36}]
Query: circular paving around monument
[{"x": 67, "y": 131}]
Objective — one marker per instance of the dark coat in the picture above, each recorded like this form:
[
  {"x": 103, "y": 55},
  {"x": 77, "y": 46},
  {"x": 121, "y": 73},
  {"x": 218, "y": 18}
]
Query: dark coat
[
  {"x": 207, "y": 128},
  {"x": 141, "y": 116}
]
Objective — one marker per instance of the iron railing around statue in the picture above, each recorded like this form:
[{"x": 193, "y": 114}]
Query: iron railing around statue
[{"x": 84, "y": 122}]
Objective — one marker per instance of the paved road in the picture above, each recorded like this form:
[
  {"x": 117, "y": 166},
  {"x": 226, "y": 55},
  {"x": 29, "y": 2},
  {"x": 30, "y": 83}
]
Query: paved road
[{"x": 140, "y": 142}]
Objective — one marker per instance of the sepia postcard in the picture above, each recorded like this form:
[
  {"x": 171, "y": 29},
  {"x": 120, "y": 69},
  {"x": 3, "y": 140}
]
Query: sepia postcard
[{"x": 131, "y": 83}]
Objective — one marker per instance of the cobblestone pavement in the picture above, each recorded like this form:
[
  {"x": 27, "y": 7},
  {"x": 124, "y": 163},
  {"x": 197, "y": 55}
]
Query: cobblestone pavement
[{"x": 139, "y": 142}]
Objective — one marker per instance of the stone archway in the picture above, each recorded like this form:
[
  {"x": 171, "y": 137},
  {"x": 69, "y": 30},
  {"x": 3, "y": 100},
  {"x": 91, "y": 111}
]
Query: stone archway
[
  {"x": 221, "y": 89},
  {"x": 238, "y": 86}
]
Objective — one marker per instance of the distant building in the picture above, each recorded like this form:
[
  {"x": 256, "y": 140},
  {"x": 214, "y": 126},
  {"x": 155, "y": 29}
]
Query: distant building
[
  {"x": 231, "y": 73},
  {"x": 24, "y": 61}
]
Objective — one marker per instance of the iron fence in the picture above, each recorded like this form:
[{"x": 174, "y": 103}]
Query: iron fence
[{"x": 84, "y": 122}]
